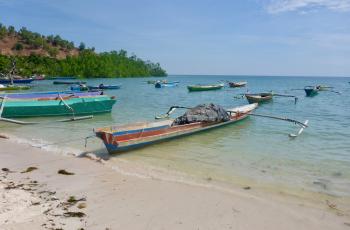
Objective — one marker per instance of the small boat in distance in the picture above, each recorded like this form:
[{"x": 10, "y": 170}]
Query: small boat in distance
[
  {"x": 237, "y": 84},
  {"x": 155, "y": 81},
  {"x": 68, "y": 82},
  {"x": 168, "y": 84},
  {"x": 194, "y": 88},
  {"x": 102, "y": 86},
  {"x": 128, "y": 137},
  {"x": 311, "y": 91},
  {"x": 259, "y": 97},
  {"x": 63, "y": 78},
  {"x": 16, "y": 81}
]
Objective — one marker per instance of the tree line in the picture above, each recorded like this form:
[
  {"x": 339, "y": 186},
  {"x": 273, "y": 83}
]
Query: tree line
[{"x": 86, "y": 64}]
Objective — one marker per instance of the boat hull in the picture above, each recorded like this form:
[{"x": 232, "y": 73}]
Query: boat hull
[
  {"x": 259, "y": 98},
  {"x": 310, "y": 92},
  {"x": 105, "y": 87},
  {"x": 237, "y": 84},
  {"x": 196, "y": 88},
  {"x": 16, "y": 81},
  {"x": 141, "y": 135},
  {"x": 42, "y": 108}
]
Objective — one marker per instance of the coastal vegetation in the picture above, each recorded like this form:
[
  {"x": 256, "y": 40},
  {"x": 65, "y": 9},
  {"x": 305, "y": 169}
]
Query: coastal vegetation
[{"x": 53, "y": 56}]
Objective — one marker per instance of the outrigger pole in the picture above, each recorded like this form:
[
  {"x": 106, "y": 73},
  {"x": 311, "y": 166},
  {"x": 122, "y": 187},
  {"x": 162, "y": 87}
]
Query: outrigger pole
[{"x": 302, "y": 124}]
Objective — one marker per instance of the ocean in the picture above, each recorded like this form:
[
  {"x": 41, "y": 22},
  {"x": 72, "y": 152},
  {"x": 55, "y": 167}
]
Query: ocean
[{"x": 255, "y": 152}]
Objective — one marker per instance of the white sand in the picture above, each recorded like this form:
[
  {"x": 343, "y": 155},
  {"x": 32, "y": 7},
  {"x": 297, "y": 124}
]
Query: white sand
[{"x": 117, "y": 201}]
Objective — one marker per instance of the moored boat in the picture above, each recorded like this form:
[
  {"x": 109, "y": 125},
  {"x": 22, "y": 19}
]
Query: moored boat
[
  {"x": 80, "y": 87},
  {"x": 259, "y": 97},
  {"x": 237, "y": 84},
  {"x": 194, "y": 88},
  {"x": 16, "y": 81},
  {"x": 40, "y": 107},
  {"x": 102, "y": 86},
  {"x": 311, "y": 91},
  {"x": 68, "y": 82},
  {"x": 168, "y": 84},
  {"x": 127, "y": 137},
  {"x": 155, "y": 81}
]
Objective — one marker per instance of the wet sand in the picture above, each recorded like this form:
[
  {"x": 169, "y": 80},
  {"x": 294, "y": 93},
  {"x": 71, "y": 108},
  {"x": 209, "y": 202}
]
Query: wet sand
[{"x": 33, "y": 195}]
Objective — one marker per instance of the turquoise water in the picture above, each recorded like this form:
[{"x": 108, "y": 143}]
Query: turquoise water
[{"x": 256, "y": 150}]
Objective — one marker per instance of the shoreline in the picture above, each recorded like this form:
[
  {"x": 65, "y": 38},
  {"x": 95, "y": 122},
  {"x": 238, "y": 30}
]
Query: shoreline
[{"x": 115, "y": 200}]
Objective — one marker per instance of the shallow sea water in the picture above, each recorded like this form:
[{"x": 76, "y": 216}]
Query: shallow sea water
[{"x": 256, "y": 150}]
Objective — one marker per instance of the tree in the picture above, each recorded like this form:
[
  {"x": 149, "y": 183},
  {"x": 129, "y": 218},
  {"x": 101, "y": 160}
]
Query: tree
[
  {"x": 11, "y": 30},
  {"x": 82, "y": 46},
  {"x": 18, "y": 46}
]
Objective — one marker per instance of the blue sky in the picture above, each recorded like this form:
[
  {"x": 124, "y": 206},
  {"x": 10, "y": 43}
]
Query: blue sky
[{"x": 258, "y": 37}]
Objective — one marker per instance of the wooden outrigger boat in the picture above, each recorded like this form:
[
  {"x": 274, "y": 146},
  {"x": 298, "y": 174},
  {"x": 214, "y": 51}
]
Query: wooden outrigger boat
[
  {"x": 259, "y": 97},
  {"x": 195, "y": 88},
  {"x": 102, "y": 86},
  {"x": 165, "y": 85},
  {"x": 127, "y": 137},
  {"x": 237, "y": 84},
  {"x": 58, "y": 106},
  {"x": 311, "y": 91}
]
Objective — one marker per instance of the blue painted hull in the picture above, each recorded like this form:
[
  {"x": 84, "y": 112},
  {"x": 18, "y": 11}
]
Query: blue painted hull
[{"x": 16, "y": 81}]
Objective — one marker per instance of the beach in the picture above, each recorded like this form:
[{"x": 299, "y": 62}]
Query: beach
[{"x": 89, "y": 194}]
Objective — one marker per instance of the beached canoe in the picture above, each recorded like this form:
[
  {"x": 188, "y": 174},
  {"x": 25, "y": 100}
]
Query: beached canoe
[
  {"x": 237, "y": 84},
  {"x": 127, "y": 137},
  {"x": 68, "y": 82},
  {"x": 259, "y": 97},
  {"x": 194, "y": 88},
  {"x": 311, "y": 91},
  {"x": 49, "y": 95},
  {"x": 102, "y": 86},
  {"x": 14, "y": 108},
  {"x": 168, "y": 84},
  {"x": 14, "y": 87},
  {"x": 17, "y": 81}
]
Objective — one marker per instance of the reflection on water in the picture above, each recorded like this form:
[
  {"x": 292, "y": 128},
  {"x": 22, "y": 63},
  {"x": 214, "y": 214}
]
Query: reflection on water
[{"x": 256, "y": 149}]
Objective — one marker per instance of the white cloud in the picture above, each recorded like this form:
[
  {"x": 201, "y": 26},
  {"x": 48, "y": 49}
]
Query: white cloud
[{"x": 278, "y": 6}]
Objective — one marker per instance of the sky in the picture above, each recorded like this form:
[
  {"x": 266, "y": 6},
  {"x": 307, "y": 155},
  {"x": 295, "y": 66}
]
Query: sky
[{"x": 223, "y": 37}]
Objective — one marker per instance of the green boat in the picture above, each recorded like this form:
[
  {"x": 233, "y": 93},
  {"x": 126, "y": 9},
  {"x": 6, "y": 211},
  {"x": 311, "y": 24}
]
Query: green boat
[
  {"x": 194, "y": 88},
  {"x": 14, "y": 87},
  {"x": 42, "y": 107}
]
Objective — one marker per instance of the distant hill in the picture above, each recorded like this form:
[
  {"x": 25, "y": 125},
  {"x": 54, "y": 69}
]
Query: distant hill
[
  {"x": 54, "y": 56},
  {"x": 25, "y": 42}
]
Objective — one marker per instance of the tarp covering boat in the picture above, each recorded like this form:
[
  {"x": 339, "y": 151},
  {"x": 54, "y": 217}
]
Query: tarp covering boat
[{"x": 203, "y": 113}]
